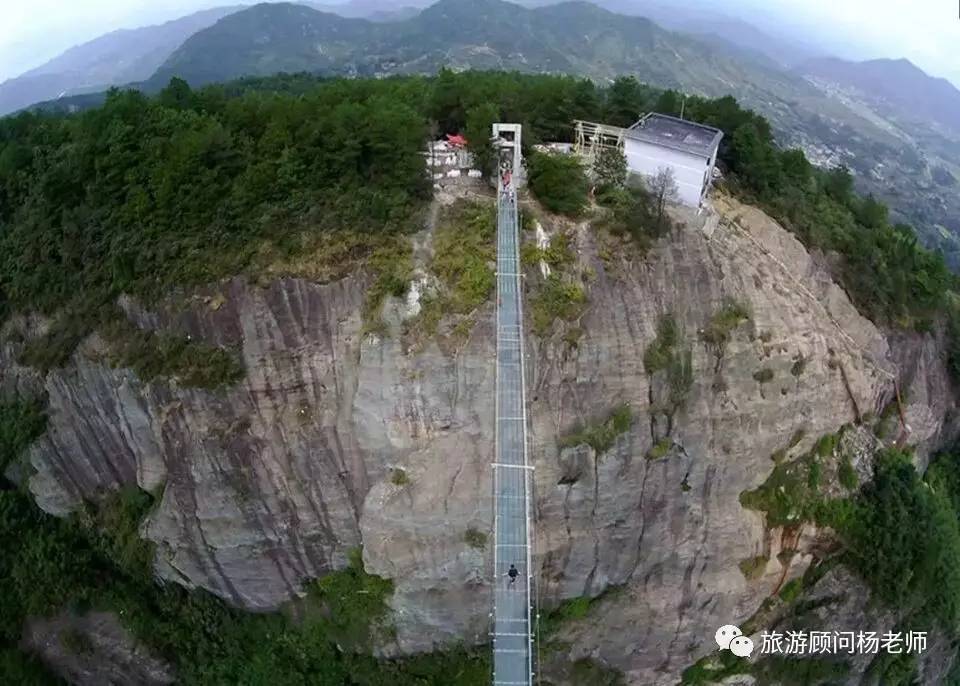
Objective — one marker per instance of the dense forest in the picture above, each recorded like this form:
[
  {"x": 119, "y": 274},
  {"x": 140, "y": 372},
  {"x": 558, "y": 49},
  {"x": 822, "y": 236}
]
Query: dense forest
[
  {"x": 143, "y": 194},
  {"x": 147, "y": 195}
]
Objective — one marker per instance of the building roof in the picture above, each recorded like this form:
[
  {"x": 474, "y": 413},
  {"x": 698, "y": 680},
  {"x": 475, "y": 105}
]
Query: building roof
[
  {"x": 678, "y": 134},
  {"x": 456, "y": 139}
]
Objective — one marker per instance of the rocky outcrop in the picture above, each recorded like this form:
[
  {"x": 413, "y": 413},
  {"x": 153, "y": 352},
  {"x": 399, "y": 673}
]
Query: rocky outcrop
[
  {"x": 672, "y": 530},
  {"x": 337, "y": 439},
  {"x": 94, "y": 649}
]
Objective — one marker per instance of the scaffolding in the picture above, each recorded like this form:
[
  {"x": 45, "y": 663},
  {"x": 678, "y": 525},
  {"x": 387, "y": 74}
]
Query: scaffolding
[{"x": 590, "y": 137}]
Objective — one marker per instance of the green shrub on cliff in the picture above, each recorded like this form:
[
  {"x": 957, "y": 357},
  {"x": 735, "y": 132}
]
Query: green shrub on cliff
[
  {"x": 151, "y": 355},
  {"x": 902, "y": 535},
  {"x": 556, "y": 298},
  {"x": 21, "y": 422},
  {"x": 603, "y": 435}
]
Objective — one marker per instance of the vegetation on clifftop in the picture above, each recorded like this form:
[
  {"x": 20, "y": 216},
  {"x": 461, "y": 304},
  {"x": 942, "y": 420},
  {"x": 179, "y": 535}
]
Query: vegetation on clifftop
[
  {"x": 142, "y": 195},
  {"x": 463, "y": 251},
  {"x": 558, "y": 181}
]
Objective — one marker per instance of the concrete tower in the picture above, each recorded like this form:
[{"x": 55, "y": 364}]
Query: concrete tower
[{"x": 506, "y": 140}]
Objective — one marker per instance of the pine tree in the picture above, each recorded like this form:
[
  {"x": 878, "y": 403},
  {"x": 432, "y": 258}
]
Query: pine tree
[{"x": 610, "y": 168}]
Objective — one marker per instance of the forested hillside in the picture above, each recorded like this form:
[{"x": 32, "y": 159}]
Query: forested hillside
[{"x": 146, "y": 196}]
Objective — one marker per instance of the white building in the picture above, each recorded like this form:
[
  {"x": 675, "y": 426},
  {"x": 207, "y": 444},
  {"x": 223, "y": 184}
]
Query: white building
[{"x": 688, "y": 149}]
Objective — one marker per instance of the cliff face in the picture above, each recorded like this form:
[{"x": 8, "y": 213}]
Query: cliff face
[{"x": 337, "y": 439}]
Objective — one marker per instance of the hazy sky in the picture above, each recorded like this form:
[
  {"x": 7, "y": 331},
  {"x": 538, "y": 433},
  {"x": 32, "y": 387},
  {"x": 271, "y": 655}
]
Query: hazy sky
[
  {"x": 925, "y": 31},
  {"x": 33, "y": 31}
]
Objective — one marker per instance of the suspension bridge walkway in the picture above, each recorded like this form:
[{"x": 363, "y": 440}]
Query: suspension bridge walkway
[{"x": 512, "y": 475}]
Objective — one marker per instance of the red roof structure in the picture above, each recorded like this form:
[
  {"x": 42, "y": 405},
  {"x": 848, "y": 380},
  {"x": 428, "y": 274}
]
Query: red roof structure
[{"x": 456, "y": 140}]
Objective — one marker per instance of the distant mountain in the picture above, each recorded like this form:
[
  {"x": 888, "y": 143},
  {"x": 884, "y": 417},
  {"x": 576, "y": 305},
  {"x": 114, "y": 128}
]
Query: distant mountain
[
  {"x": 270, "y": 38},
  {"x": 896, "y": 87},
  {"x": 115, "y": 58},
  {"x": 700, "y": 19},
  {"x": 571, "y": 37},
  {"x": 374, "y": 10},
  {"x": 906, "y": 165}
]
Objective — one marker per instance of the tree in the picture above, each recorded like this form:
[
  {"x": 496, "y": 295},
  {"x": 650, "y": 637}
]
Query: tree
[
  {"x": 872, "y": 213},
  {"x": 625, "y": 101},
  {"x": 177, "y": 95},
  {"x": 663, "y": 187},
  {"x": 838, "y": 184},
  {"x": 755, "y": 160},
  {"x": 797, "y": 170},
  {"x": 558, "y": 182},
  {"x": 668, "y": 103},
  {"x": 480, "y": 119},
  {"x": 610, "y": 168}
]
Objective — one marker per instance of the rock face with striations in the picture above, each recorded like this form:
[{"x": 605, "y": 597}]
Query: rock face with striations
[{"x": 337, "y": 439}]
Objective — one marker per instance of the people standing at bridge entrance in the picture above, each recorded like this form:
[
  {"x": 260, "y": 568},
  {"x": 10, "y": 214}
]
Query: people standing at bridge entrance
[{"x": 513, "y": 573}]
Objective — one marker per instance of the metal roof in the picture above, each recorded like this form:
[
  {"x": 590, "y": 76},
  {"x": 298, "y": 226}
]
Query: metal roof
[{"x": 678, "y": 134}]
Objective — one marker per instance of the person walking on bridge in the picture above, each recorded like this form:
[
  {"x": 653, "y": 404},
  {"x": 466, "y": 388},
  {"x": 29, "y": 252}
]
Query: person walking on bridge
[{"x": 513, "y": 573}]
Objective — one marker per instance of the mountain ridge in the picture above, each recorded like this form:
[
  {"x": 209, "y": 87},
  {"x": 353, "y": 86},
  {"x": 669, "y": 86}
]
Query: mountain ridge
[
  {"x": 898, "y": 84},
  {"x": 115, "y": 58}
]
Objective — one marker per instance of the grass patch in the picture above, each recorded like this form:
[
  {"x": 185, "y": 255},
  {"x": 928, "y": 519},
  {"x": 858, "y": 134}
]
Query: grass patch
[
  {"x": 601, "y": 437},
  {"x": 796, "y": 438},
  {"x": 355, "y": 600},
  {"x": 721, "y": 325},
  {"x": 791, "y": 590},
  {"x": 570, "y": 610},
  {"x": 475, "y": 538},
  {"x": 463, "y": 250},
  {"x": 588, "y": 670},
  {"x": 398, "y": 477},
  {"x": 713, "y": 668},
  {"x": 764, "y": 375},
  {"x": 660, "y": 450},
  {"x": 752, "y": 567},
  {"x": 391, "y": 264},
  {"x": 660, "y": 354},
  {"x": 154, "y": 355},
  {"x": 556, "y": 299},
  {"x": 114, "y": 526},
  {"x": 464, "y": 247},
  {"x": 786, "y": 496},
  {"x": 572, "y": 336},
  {"x": 557, "y": 255},
  {"x": 668, "y": 354},
  {"x": 826, "y": 445},
  {"x": 53, "y": 349},
  {"x": 846, "y": 474},
  {"x": 895, "y": 669}
]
